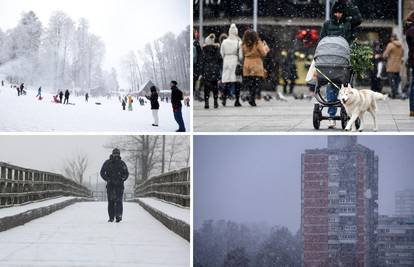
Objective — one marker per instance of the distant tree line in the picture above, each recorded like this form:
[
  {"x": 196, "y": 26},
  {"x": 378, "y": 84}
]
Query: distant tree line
[
  {"x": 64, "y": 54},
  {"x": 162, "y": 60},
  {"x": 229, "y": 244}
]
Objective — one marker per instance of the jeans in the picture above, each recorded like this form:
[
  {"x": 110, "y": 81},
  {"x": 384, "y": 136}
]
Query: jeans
[
  {"x": 115, "y": 194},
  {"x": 394, "y": 78},
  {"x": 178, "y": 116},
  {"x": 331, "y": 96},
  {"x": 412, "y": 90}
]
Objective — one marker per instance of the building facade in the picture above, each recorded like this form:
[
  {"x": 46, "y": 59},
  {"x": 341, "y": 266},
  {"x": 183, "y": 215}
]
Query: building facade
[
  {"x": 339, "y": 204},
  {"x": 404, "y": 203},
  {"x": 396, "y": 241}
]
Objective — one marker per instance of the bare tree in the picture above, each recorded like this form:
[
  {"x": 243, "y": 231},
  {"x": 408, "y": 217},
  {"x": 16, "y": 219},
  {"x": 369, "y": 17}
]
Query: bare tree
[{"x": 75, "y": 167}]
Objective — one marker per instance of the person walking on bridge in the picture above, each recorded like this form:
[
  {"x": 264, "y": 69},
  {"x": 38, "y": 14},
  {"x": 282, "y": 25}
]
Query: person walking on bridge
[{"x": 114, "y": 171}]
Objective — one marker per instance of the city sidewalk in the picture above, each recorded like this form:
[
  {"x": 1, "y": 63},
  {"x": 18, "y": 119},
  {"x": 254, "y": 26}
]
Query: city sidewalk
[{"x": 293, "y": 115}]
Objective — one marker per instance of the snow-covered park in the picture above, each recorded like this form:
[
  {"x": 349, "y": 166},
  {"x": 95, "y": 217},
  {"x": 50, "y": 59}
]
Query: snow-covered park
[{"x": 27, "y": 113}]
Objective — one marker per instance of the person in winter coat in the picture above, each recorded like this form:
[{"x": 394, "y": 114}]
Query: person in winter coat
[
  {"x": 210, "y": 69},
  {"x": 67, "y": 94},
  {"x": 115, "y": 172},
  {"x": 130, "y": 101},
  {"x": 345, "y": 18},
  {"x": 20, "y": 89},
  {"x": 176, "y": 97},
  {"x": 375, "y": 73},
  {"x": 232, "y": 54},
  {"x": 154, "y": 104},
  {"x": 197, "y": 60},
  {"x": 409, "y": 34},
  {"x": 60, "y": 96},
  {"x": 254, "y": 50},
  {"x": 86, "y": 97},
  {"x": 123, "y": 103},
  {"x": 289, "y": 73},
  {"x": 394, "y": 53},
  {"x": 39, "y": 92}
]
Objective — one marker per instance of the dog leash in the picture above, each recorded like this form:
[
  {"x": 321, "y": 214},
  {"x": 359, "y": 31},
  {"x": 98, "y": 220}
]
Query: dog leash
[{"x": 326, "y": 77}]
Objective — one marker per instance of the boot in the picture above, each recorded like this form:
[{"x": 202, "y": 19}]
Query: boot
[
  {"x": 216, "y": 102},
  {"x": 206, "y": 105},
  {"x": 224, "y": 100},
  {"x": 237, "y": 94},
  {"x": 237, "y": 102},
  {"x": 118, "y": 219}
]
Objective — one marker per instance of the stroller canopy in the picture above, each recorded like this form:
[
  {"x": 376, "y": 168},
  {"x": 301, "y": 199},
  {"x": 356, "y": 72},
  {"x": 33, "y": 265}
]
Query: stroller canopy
[{"x": 332, "y": 50}]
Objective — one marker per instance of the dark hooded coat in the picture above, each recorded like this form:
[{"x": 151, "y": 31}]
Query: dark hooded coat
[{"x": 114, "y": 171}]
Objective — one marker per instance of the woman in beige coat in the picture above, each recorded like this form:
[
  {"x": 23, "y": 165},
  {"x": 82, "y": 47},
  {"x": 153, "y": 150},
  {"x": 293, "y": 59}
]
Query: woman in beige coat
[
  {"x": 394, "y": 54},
  {"x": 254, "y": 50}
]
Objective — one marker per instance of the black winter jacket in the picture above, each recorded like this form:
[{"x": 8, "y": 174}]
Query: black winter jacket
[
  {"x": 176, "y": 97},
  {"x": 345, "y": 27},
  {"x": 409, "y": 34},
  {"x": 154, "y": 100},
  {"x": 114, "y": 171},
  {"x": 211, "y": 63}
]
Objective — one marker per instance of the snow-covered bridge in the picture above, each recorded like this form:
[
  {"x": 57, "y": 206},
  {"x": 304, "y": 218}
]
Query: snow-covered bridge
[{"x": 78, "y": 234}]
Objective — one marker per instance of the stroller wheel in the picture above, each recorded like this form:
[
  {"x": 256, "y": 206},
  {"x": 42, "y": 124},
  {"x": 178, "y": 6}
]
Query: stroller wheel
[
  {"x": 344, "y": 118},
  {"x": 357, "y": 123},
  {"x": 317, "y": 114}
]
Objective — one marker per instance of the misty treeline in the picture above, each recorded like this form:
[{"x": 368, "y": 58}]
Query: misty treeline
[
  {"x": 228, "y": 244},
  {"x": 149, "y": 155},
  {"x": 161, "y": 61},
  {"x": 63, "y": 54}
]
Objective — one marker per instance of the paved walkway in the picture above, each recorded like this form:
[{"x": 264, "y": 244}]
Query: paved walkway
[
  {"x": 79, "y": 235},
  {"x": 291, "y": 116}
]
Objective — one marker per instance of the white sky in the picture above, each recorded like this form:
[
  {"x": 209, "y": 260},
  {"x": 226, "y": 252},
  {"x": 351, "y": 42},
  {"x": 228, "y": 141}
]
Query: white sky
[
  {"x": 124, "y": 25},
  {"x": 48, "y": 153}
]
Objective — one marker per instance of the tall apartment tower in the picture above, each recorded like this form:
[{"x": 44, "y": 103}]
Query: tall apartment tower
[{"x": 339, "y": 204}]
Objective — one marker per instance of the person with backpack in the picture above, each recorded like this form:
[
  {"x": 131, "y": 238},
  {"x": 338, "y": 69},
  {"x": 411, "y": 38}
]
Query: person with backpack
[
  {"x": 115, "y": 172},
  {"x": 176, "y": 98},
  {"x": 153, "y": 98}
]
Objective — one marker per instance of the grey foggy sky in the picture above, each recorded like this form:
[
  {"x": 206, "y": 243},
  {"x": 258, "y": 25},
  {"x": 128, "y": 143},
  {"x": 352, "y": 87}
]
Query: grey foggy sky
[
  {"x": 257, "y": 178},
  {"x": 124, "y": 25},
  {"x": 49, "y": 152}
]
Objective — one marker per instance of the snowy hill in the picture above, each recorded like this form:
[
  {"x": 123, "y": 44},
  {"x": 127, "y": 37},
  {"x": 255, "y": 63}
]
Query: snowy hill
[{"x": 27, "y": 113}]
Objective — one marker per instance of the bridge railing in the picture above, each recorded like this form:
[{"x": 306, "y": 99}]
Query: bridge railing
[
  {"x": 19, "y": 185},
  {"x": 172, "y": 187}
]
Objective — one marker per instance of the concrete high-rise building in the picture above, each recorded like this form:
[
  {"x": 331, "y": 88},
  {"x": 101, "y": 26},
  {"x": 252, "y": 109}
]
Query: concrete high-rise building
[
  {"x": 339, "y": 204},
  {"x": 395, "y": 241},
  {"x": 404, "y": 203}
]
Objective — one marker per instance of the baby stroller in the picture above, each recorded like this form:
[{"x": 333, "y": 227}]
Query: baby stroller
[{"x": 332, "y": 65}]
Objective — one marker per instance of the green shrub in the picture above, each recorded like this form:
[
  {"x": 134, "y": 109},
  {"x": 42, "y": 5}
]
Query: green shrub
[{"x": 361, "y": 59}]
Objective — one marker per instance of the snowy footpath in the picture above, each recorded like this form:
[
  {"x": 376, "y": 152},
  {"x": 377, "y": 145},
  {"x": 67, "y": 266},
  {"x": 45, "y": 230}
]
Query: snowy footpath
[
  {"x": 79, "y": 235},
  {"x": 27, "y": 113}
]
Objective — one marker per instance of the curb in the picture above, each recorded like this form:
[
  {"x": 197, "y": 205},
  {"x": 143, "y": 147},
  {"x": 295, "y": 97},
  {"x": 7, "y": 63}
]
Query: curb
[
  {"x": 177, "y": 226},
  {"x": 9, "y": 222}
]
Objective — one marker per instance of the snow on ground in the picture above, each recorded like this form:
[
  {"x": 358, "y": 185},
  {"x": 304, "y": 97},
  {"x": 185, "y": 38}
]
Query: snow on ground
[
  {"x": 171, "y": 210},
  {"x": 26, "y": 113},
  {"x": 11, "y": 211},
  {"x": 79, "y": 235}
]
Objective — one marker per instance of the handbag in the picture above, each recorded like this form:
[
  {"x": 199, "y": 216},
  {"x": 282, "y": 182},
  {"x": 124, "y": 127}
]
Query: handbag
[{"x": 239, "y": 67}]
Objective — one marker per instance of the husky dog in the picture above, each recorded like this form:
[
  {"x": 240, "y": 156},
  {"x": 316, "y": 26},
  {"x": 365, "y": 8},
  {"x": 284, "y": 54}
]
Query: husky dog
[{"x": 357, "y": 102}]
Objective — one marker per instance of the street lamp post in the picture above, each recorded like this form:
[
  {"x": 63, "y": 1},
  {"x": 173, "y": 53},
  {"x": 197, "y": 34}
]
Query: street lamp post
[
  {"x": 400, "y": 31},
  {"x": 200, "y": 18},
  {"x": 327, "y": 10},
  {"x": 255, "y": 15}
]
